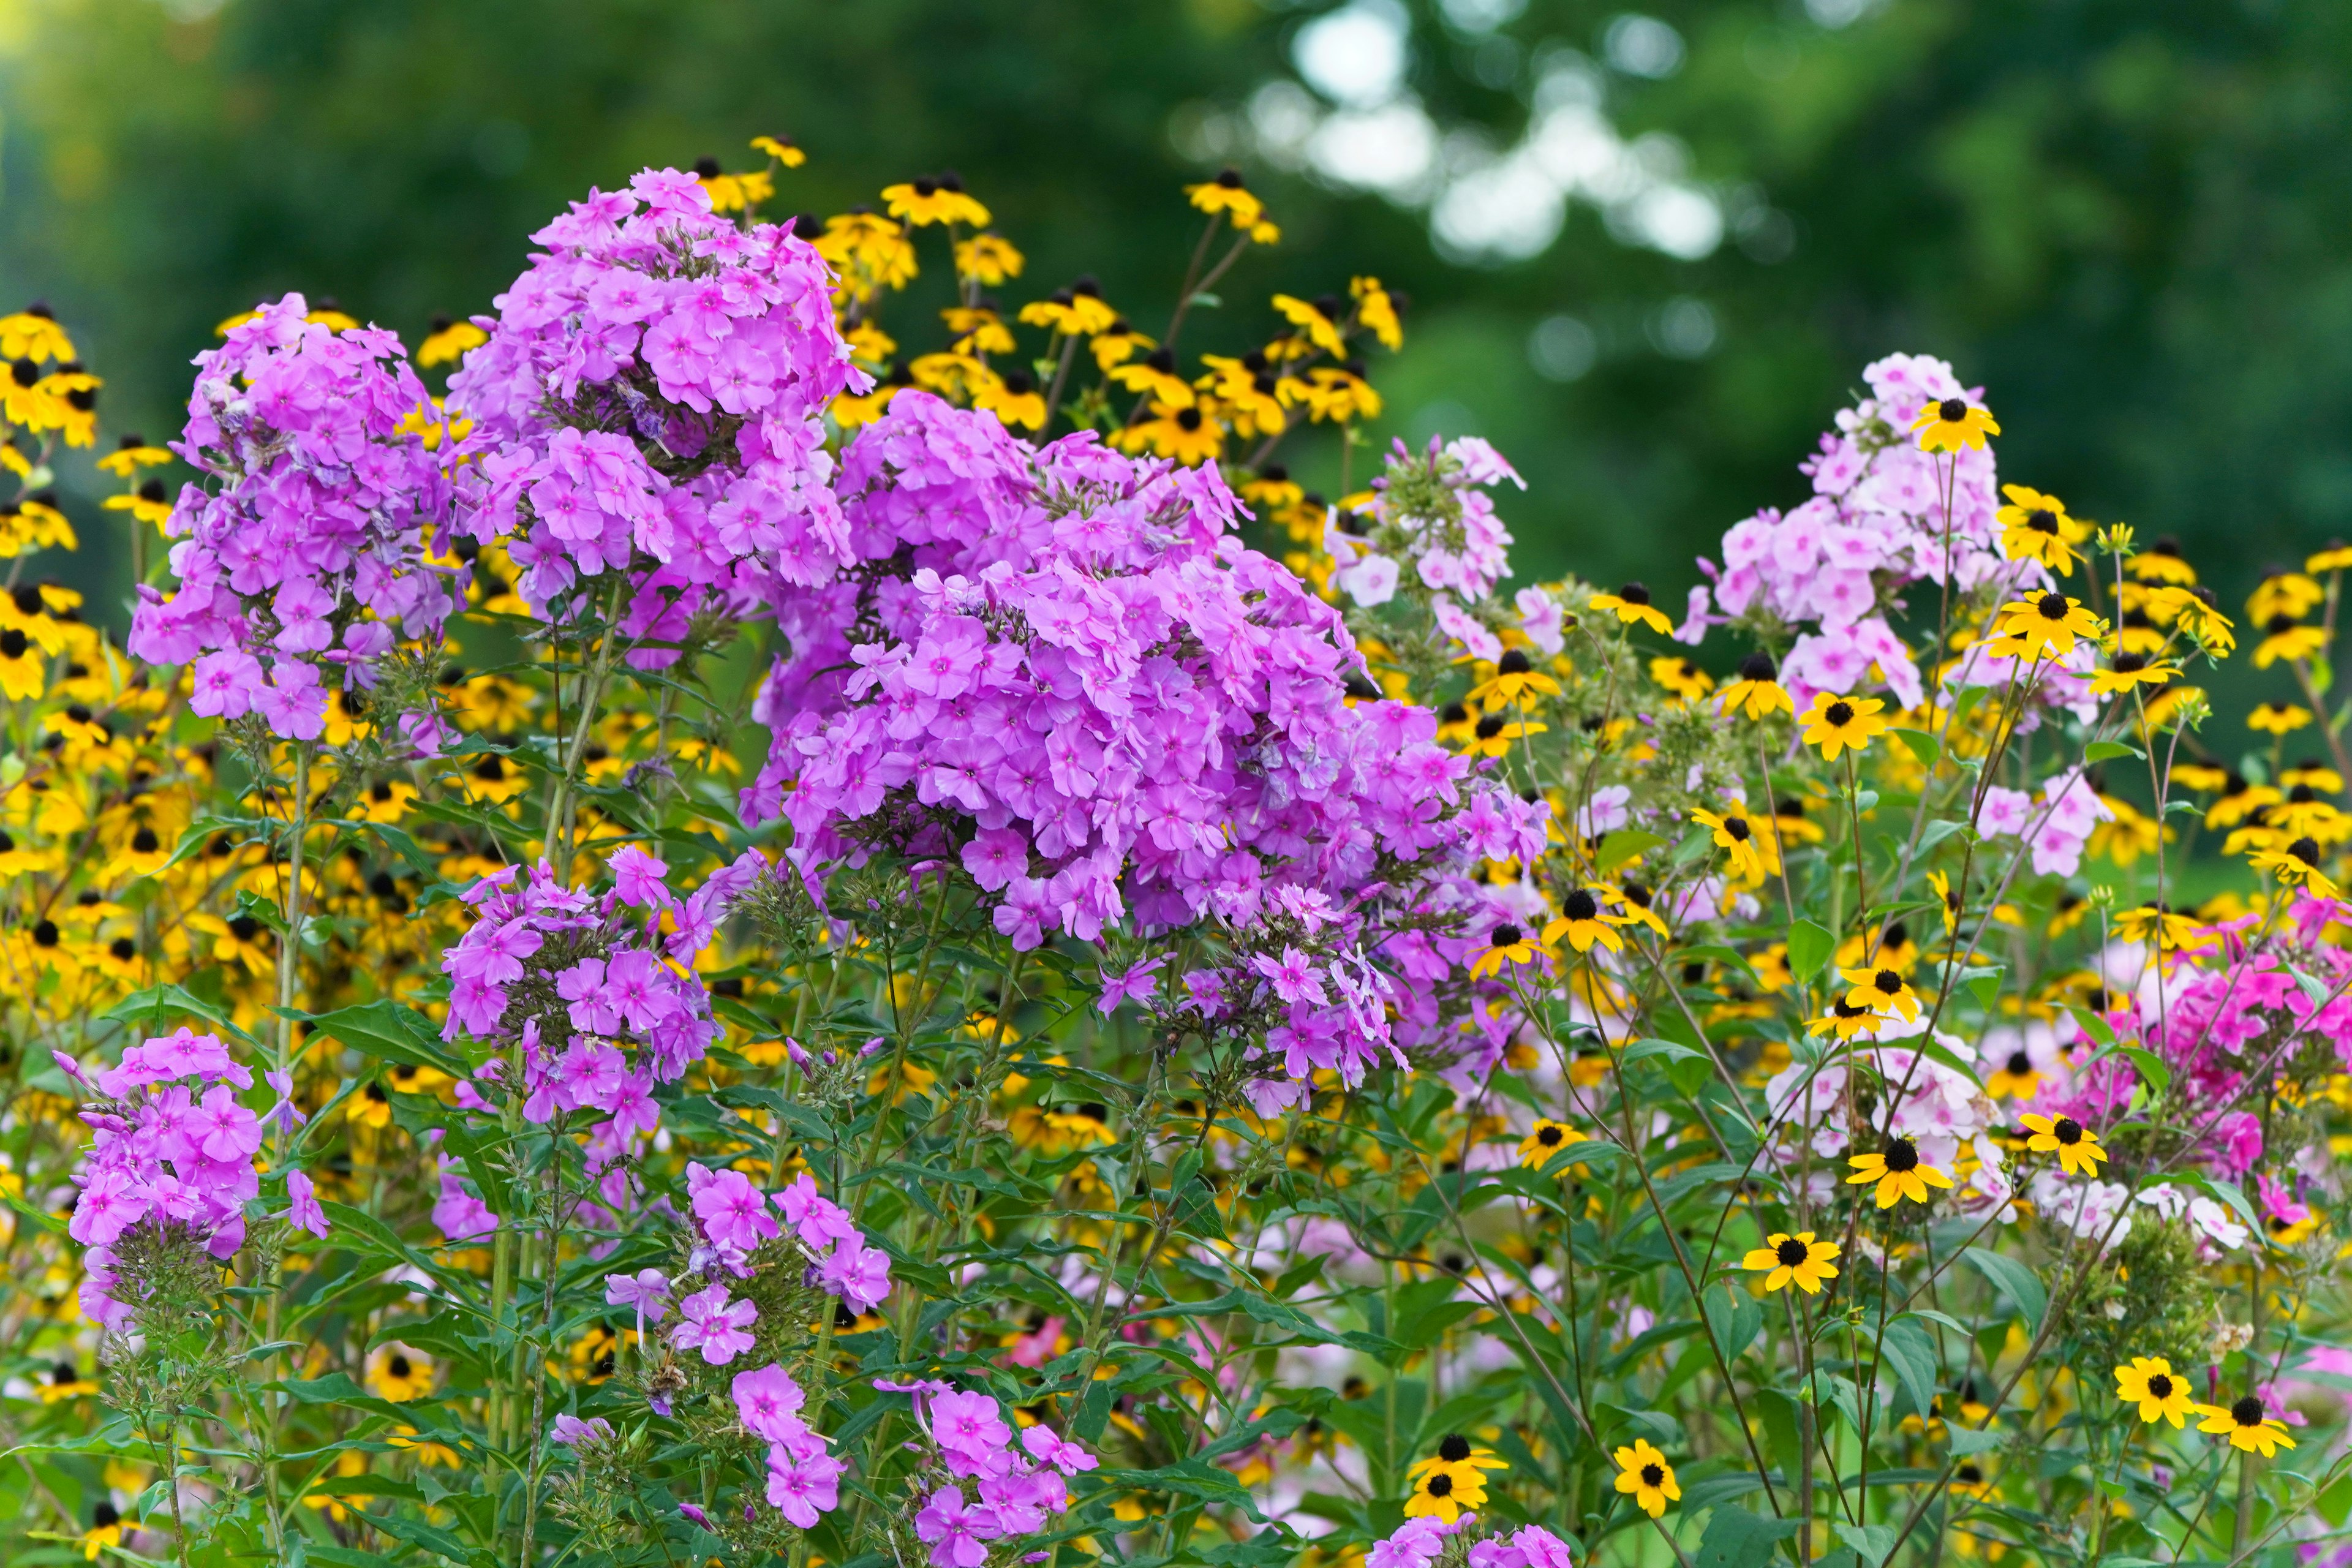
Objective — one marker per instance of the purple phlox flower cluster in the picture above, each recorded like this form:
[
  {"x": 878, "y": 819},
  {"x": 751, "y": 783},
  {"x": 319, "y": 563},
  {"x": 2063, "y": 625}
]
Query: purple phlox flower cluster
[
  {"x": 1456, "y": 555},
  {"x": 459, "y": 1215},
  {"x": 733, "y": 1219},
  {"x": 804, "y": 1478},
  {"x": 170, "y": 1145},
  {"x": 1417, "y": 1542},
  {"x": 1014, "y": 1485},
  {"x": 600, "y": 1000},
  {"x": 1087, "y": 693},
  {"x": 650, "y": 401},
  {"x": 571, "y": 1430},
  {"x": 1830, "y": 567},
  {"x": 2055, "y": 826},
  {"x": 302, "y": 559}
]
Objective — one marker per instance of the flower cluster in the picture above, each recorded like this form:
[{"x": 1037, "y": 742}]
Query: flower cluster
[
  {"x": 306, "y": 550},
  {"x": 991, "y": 1488},
  {"x": 171, "y": 1152},
  {"x": 649, "y": 402}
]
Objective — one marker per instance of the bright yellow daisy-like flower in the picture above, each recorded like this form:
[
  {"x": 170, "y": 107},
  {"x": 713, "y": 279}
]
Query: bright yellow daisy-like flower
[
  {"x": 1227, "y": 194},
  {"x": 1514, "y": 677},
  {"x": 1899, "y": 1173},
  {"x": 2284, "y": 639},
  {"x": 1882, "y": 990},
  {"x": 2289, "y": 593},
  {"x": 2171, "y": 932},
  {"x": 1507, "y": 945},
  {"x": 1376, "y": 312},
  {"x": 448, "y": 340},
  {"x": 132, "y": 455},
  {"x": 1631, "y": 606},
  {"x": 1952, "y": 422},
  {"x": 1466, "y": 1463},
  {"x": 1013, "y": 398},
  {"x": 1758, "y": 691},
  {"x": 1844, "y": 1020},
  {"x": 1835, "y": 723},
  {"x": 1185, "y": 435},
  {"x": 1548, "y": 1138},
  {"x": 1155, "y": 376},
  {"x": 33, "y": 334},
  {"x": 2297, "y": 864},
  {"x": 2076, "y": 1146},
  {"x": 2046, "y": 625},
  {"x": 1320, "y": 329},
  {"x": 1644, "y": 1475},
  {"x": 1681, "y": 676},
  {"x": 2161, "y": 1394},
  {"x": 2128, "y": 671},
  {"x": 2278, "y": 718},
  {"x": 1582, "y": 921},
  {"x": 1796, "y": 1259},
  {"x": 1078, "y": 311},
  {"x": 939, "y": 198},
  {"x": 990, "y": 258},
  {"x": 2247, "y": 1425},
  {"x": 2162, "y": 563},
  {"x": 398, "y": 1373},
  {"x": 1754, "y": 855},
  {"x": 781, "y": 149},
  {"x": 2036, "y": 527},
  {"x": 2334, "y": 558},
  {"x": 1340, "y": 393},
  {"x": 1492, "y": 735}
]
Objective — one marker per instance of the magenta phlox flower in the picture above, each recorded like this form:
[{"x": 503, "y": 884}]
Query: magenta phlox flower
[
  {"x": 303, "y": 1208},
  {"x": 957, "y": 1533},
  {"x": 769, "y": 1402},
  {"x": 859, "y": 1275},
  {"x": 1136, "y": 985},
  {"x": 1049, "y": 1447},
  {"x": 968, "y": 1426},
  {"x": 571, "y": 1430},
  {"x": 458, "y": 1215},
  {"x": 803, "y": 1479},
  {"x": 647, "y": 1293},
  {"x": 732, "y": 1212},
  {"x": 1293, "y": 976},
  {"x": 817, "y": 1220},
  {"x": 715, "y": 1325}
]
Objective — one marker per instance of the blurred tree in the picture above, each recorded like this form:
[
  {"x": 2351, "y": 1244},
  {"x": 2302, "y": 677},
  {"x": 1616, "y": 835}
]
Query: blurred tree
[{"x": 1648, "y": 251}]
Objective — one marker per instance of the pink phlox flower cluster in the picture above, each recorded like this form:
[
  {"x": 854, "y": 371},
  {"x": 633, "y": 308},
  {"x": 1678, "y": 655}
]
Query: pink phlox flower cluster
[
  {"x": 804, "y": 1478},
  {"x": 1456, "y": 556},
  {"x": 733, "y": 1219},
  {"x": 170, "y": 1145},
  {"x": 1417, "y": 1542},
  {"x": 1015, "y": 1487},
  {"x": 2218, "y": 1229},
  {"x": 628, "y": 1013},
  {"x": 710, "y": 1321},
  {"x": 651, "y": 400},
  {"x": 1831, "y": 568},
  {"x": 1531, "y": 1546},
  {"x": 458, "y": 1215},
  {"x": 302, "y": 547},
  {"x": 2056, "y": 827}
]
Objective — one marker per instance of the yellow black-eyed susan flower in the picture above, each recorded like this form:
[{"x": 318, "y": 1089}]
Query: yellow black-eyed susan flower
[
  {"x": 370, "y": 1107},
  {"x": 1752, "y": 854},
  {"x": 1644, "y": 1475},
  {"x": 2162, "y": 563},
  {"x": 1882, "y": 989},
  {"x": 399, "y": 1373},
  {"x": 1013, "y": 398},
  {"x": 1515, "y": 676},
  {"x": 2161, "y": 1394},
  {"x": 2297, "y": 864},
  {"x": 2036, "y": 527},
  {"x": 1582, "y": 921},
  {"x": 105, "y": 1532},
  {"x": 988, "y": 260},
  {"x": 2286, "y": 638},
  {"x": 2044, "y": 626},
  {"x": 781, "y": 149},
  {"x": 1507, "y": 944},
  {"x": 1796, "y": 1259},
  {"x": 2334, "y": 558},
  {"x": 1834, "y": 724},
  {"x": 1548, "y": 1138},
  {"x": 934, "y": 198},
  {"x": 2170, "y": 932},
  {"x": 2247, "y": 1425},
  {"x": 1631, "y": 606},
  {"x": 1492, "y": 735},
  {"x": 1758, "y": 691},
  {"x": 2076, "y": 1146},
  {"x": 2126, "y": 670},
  {"x": 1680, "y": 677},
  {"x": 1899, "y": 1173},
  {"x": 1377, "y": 312},
  {"x": 1950, "y": 423},
  {"x": 2278, "y": 718},
  {"x": 1227, "y": 194}
]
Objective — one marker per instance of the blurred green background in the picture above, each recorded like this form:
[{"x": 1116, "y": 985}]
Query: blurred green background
[{"x": 1648, "y": 250}]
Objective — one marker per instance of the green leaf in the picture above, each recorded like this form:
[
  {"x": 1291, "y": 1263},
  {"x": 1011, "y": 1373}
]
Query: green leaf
[
  {"x": 2015, "y": 1280},
  {"x": 2093, "y": 1025},
  {"x": 389, "y": 1031},
  {"x": 1871, "y": 1542},
  {"x": 1809, "y": 947},
  {"x": 1735, "y": 1317},
  {"x": 1907, "y": 1348},
  {"x": 1984, "y": 984},
  {"x": 1923, "y": 745},
  {"x": 2149, "y": 1066},
  {"x": 1626, "y": 844},
  {"x": 1967, "y": 1440},
  {"x": 1672, "y": 1050},
  {"x": 2229, "y": 1194},
  {"x": 1736, "y": 1538},
  {"x": 150, "y": 1007},
  {"x": 2103, "y": 751}
]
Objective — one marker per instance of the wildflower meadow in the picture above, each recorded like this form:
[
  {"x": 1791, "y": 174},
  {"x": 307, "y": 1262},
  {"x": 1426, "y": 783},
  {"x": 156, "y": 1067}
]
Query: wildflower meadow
[{"x": 705, "y": 920}]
